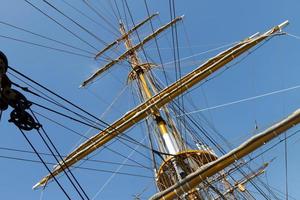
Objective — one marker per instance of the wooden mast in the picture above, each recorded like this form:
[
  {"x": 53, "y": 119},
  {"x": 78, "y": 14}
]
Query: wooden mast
[
  {"x": 141, "y": 75},
  {"x": 170, "y": 143}
]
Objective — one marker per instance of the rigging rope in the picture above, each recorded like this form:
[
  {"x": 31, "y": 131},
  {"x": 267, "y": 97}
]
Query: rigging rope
[
  {"x": 88, "y": 4},
  {"x": 48, "y": 154},
  {"x": 294, "y": 36},
  {"x": 114, "y": 12},
  {"x": 75, "y": 167},
  {"x": 104, "y": 113},
  {"x": 243, "y": 100},
  {"x": 62, "y": 160},
  {"x": 46, "y": 37},
  {"x": 55, "y": 94},
  {"x": 41, "y": 159},
  {"x": 88, "y": 17},
  {"x": 75, "y": 22},
  {"x": 201, "y": 53},
  {"x": 45, "y": 46},
  {"x": 147, "y": 57},
  {"x": 156, "y": 43},
  {"x": 105, "y": 146},
  {"x": 51, "y": 100},
  {"x": 61, "y": 25},
  {"x": 117, "y": 170}
]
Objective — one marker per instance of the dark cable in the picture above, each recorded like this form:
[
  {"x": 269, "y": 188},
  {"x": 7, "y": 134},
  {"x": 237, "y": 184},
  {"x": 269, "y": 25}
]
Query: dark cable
[
  {"x": 76, "y": 167},
  {"x": 64, "y": 115},
  {"x": 44, "y": 46},
  {"x": 47, "y": 38},
  {"x": 51, "y": 100},
  {"x": 114, "y": 12},
  {"x": 88, "y": 17},
  {"x": 55, "y": 94},
  {"x": 117, "y": 7},
  {"x": 83, "y": 136},
  {"x": 45, "y": 164},
  {"x": 99, "y": 15},
  {"x": 80, "y": 26},
  {"x": 61, "y": 25},
  {"x": 48, "y": 154},
  {"x": 57, "y": 152},
  {"x": 136, "y": 31},
  {"x": 156, "y": 43}
]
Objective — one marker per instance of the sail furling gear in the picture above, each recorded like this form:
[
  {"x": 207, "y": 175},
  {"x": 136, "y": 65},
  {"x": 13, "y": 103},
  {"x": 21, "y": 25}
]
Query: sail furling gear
[{"x": 15, "y": 99}]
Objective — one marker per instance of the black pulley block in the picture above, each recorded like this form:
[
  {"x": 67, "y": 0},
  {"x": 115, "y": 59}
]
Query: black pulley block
[
  {"x": 16, "y": 100},
  {"x": 23, "y": 120}
]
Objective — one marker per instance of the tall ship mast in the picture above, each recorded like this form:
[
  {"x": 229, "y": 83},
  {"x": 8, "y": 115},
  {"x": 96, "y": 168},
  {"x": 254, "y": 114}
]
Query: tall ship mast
[
  {"x": 185, "y": 173},
  {"x": 184, "y": 165}
]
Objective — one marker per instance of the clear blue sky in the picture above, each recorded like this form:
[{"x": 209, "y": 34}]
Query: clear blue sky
[{"x": 208, "y": 24}]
